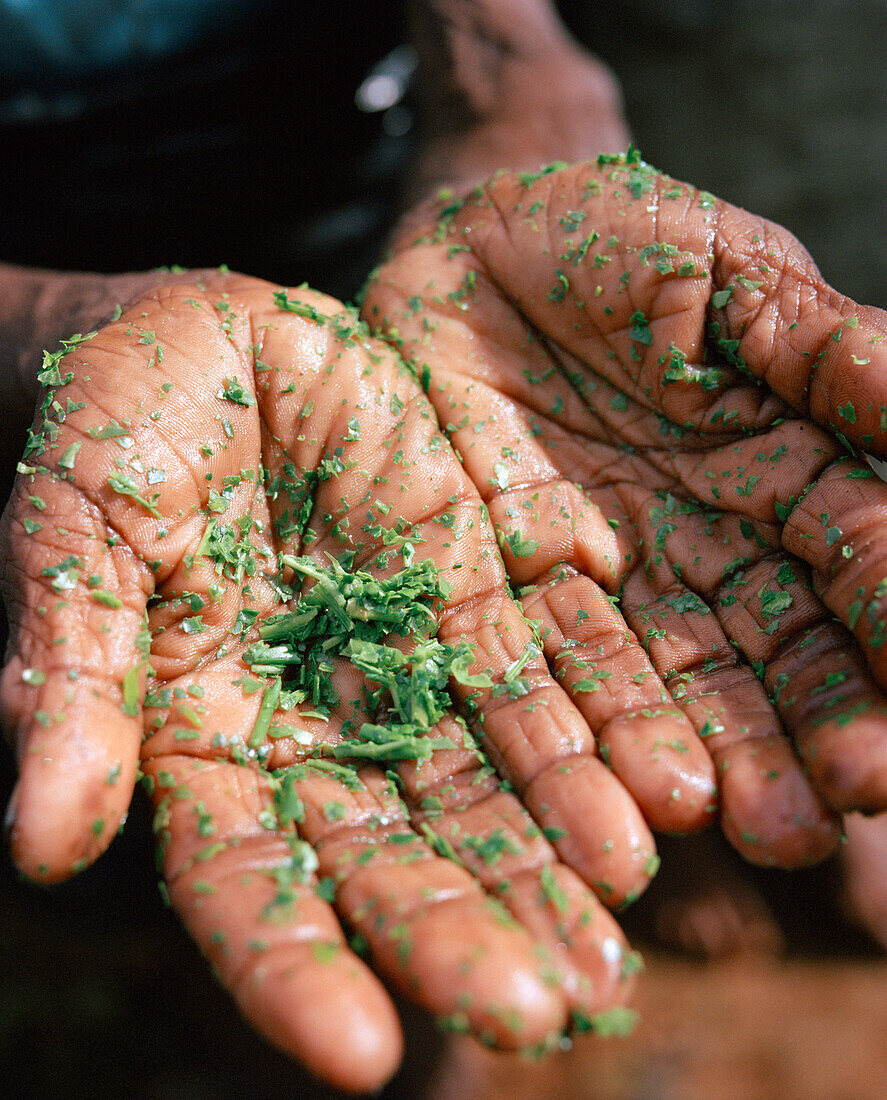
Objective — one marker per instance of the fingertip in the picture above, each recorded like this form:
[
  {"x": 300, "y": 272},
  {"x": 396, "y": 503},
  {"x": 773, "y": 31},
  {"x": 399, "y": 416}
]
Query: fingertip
[
  {"x": 479, "y": 965},
  {"x": 770, "y": 813},
  {"x": 334, "y": 1018},
  {"x": 589, "y": 952},
  {"x": 666, "y": 768},
  {"x": 849, "y": 764},
  {"x": 602, "y": 834},
  {"x": 66, "y": 809}
]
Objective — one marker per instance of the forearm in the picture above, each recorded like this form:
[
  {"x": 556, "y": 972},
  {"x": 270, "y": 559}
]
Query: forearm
[{"x": 503, "y": 85}]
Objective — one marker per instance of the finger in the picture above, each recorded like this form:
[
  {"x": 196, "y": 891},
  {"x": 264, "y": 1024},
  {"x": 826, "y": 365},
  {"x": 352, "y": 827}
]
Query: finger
[
  {"x": 537, "y": 739},
  {"x": 837, "y": 529},
  {"x": 430, "y": 927},
  {"x": 837, "y": 716},
  {"x": 466, "y": 814},
  {"x": 769, "y": 811},
  {"x": 817, "y": 349},
  {"x": 71, "y": 689},
  {"x": 864, "y": 867},
  {"x": 647, "y": 741},
  {"x": 817, "y": 678},
  {"x": 773, "y": 315},
  {"x": 248, "y": 895},
  {"x": 760, "y": 477}
]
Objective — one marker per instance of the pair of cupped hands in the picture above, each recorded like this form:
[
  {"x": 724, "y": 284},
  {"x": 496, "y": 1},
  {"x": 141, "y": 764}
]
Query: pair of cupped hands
[{"x": 628, "y": 422}]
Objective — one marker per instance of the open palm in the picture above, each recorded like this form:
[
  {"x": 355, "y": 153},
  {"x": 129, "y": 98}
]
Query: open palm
[
  {"x": 658, "y": 398},
  {"x": 175, "y": 455}
]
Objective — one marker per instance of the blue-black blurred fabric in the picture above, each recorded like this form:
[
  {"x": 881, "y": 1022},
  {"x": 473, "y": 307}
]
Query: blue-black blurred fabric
[
  {"x": 197, "y": 132},
  {"x": 45, "y": 38}
]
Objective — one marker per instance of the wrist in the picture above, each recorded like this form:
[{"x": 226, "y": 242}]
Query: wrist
[{"x": 503, "y": 85}]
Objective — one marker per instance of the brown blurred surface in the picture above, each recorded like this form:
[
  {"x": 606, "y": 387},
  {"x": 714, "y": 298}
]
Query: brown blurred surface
[
  {"x": 742, "y": 1030},
  {"x": 103, "y": 995}
]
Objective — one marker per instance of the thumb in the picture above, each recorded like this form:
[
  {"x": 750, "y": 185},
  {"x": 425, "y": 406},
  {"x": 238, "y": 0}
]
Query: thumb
[
  {"x": 72, "y": 686},
  {"x": 817, "y": 349}
]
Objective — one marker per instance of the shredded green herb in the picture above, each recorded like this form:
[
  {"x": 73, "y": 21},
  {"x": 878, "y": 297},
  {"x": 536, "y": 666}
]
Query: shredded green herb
[{"x": 348, "y": 614}]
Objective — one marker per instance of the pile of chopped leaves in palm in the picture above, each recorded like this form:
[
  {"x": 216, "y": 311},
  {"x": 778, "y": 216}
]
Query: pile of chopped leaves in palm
[{"x": 352, "y": 614}]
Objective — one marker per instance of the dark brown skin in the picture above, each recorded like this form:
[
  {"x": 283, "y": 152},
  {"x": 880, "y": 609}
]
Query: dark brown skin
[
  {"x": 627, "y": 456},
  {"x": 39, "y": 308},
  {"x": 502, "y": 85},
  {"x": 864, "y": 859},
  {"x": 302, "y": 986},
  {"x": 323, "y": 1006},
  {"x": 509, "y": 943}
]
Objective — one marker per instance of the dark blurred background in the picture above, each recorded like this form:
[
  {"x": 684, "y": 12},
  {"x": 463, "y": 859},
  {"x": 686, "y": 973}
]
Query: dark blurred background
[
  {"x": 135, "y": 134},
  {"x": 198, "y": 132}
]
